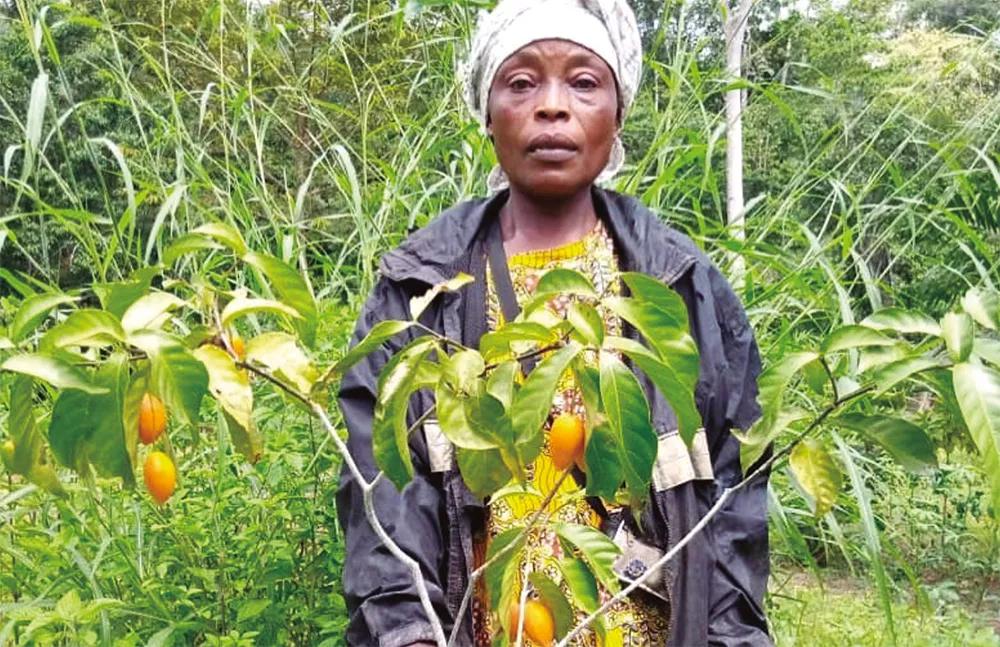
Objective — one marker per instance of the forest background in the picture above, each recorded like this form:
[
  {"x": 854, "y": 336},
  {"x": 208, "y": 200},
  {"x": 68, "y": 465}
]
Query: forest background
[{"x": 324, "y": 131}]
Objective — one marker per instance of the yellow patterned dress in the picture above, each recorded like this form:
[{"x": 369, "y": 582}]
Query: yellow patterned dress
[{"x": 636, "y": 621}]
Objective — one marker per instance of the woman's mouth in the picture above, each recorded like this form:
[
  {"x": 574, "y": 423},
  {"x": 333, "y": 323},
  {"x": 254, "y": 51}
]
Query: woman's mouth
[{"x": 550, "y": 147}]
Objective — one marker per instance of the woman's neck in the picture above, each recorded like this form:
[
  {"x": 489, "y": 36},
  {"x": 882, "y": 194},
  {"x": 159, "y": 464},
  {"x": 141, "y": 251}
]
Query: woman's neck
[{"x": 528, "y": 224}]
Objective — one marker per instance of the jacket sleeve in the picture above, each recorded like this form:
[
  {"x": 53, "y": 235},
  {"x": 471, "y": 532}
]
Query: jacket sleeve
[
  {"x": 739, "y": 532},
  {"x": 381, "y": 598}
]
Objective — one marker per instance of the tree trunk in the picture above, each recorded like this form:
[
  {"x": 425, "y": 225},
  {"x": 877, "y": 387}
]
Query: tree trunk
[{"x": 735, "y": 28}]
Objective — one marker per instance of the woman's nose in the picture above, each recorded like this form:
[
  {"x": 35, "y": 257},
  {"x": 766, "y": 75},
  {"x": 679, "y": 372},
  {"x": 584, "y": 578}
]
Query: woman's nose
[{"x": 553, "y": 104}]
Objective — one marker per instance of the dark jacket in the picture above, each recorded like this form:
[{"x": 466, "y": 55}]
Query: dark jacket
[{"x": 717, "y": 582}]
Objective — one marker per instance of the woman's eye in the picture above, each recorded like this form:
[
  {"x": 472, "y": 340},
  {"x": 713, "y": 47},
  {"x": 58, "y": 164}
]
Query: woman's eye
[
  {"x": 520, "y": 84},
  {"x": 585, "y": 83}
]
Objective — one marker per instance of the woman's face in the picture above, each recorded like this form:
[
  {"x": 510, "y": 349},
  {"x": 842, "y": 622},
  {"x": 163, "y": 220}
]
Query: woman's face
[{"x": 553, "y": 110}]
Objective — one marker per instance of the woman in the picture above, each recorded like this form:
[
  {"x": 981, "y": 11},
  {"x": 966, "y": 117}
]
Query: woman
[{"x": 551, "y": 81}]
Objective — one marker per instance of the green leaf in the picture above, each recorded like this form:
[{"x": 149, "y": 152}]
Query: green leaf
[
  {"x": 88, "y": 429},
  {"x": 853, "y": 336},
  {"x": 242, "y": 306},
  {"x": 462, "y": 370},
  {"x": 131, "y": 405},
  {"x": 57, "y": 372},
  {"x": 876, "y": 356},
  {"x": 583, "y": 589},
  {"x": 185, "y": 245},
  {"x": 775, "y": 380},
  {"x": 176, "y": 376},
  {"x": 958, "y": 332},
  {"x": 150, "y": 311},
  {"x": 230, "y": 387},
  {"x": 84, "y": 328},
  {"x": 505, "y": 567},
  {"x": 587, "y": 322},
  {"x": 756, "y": 440},
  {"x": 562, "y": 280},
  {"x": 378, "y": 335},
  {"x": 291, "y": 289},
  {"x": 816, "y": 377},
  {"x": 595, "y": 548},
  {"x": 29, "y": 457},
  {"x": 280, "y": 353},
  {"x": 988, "y": 349},
  {"x": 533, "y": 400},
  {"x": 500, "y": 383},
  {"x": 983, "y": 306},
  {"x": 246, "y": 440},
  {"x": 117, "y": 297},
  {"x": 628, "y": 416},
  {"x": 33, "y": 311},
  {"x": 657, "y": 326},
  {"x": 603, "y": 456},
  {"x": 483, "y": 471},
  {"x": 555, "y": 600},
  {"x": 902, "y": 321},
  {"x": 390, "y": 440},
  {"x": 515, "y": 337},
  {"x": 678, "y": 390},
  {"x": 888, "y": 376},
  {"x": 420, "y": 303},
  {"x": 647, "y": 289},
  {"x": 977, "y": 389},
  {"x": 906, "y": 442},
  {"x": 455, "y": 424},
  {"x": 224, "y": 234},
  {"x": 818, "y": 474}
]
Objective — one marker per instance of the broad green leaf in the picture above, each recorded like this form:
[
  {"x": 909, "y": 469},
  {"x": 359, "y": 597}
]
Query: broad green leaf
[
  {"x": 553, "y": 597},
  {"x": 515, "y": 337},
  {"x": 483, "y": 471},
  {"x": 906, "y": 442},
  {"x": 229, "y": 385},
  {"x": 291, "y": 289},
  {"x": 775, "y": 380},
  {"x": 628, "y": 416},
  {"x": 88, "y": 429},
  {"x": 29, "y": 456},
  {"x": 224, "y": 234},
  {"x": 378, "y": 335},
  {"x": 149, "y": 311},
  {"x": 888, "y": 376},
  {"x": 33, "y": 311},
  {"x": 500, "y": 383},
  {"x": 185, "y": 245},
  {"x": 505, "y": 566},
  {"x": 875, "y": 356},
  {"x": 587, "y": 322},
  {"x": 988, "y": 349},
  {"x": 562, "y": 280},
  {"x": 816, "y": 377},
  {"x": 755, "y": 442},
  {"x": 57, "y": 372},
  {"x": 657, "y": 326},
  {"x": 678, "y": 390},
  {"x": 176, "y": 376},
  {"x": 958, "y": 332},
  {"x": 583, "y": 590},
  {"x": 246, "y": 440},
  {"x": 902, "y": 321},
  {"x": 977, "y": 388},
  {"x": 280, "y": 353},
  {"x": 390, "y": 439},
  {"x": 596, "y": 549},
  {"x": 117, "y": 297},
  {"x": 533, "y": 400},
  {"x": 818, "y": 474},
  {"x": 853, "y": 336},
  {"x": 242, "y": 306},
  {"x": 603, "y": 456},
  {"x": 462, "y": 370},
  {"x": 134, "y": 393},
  {"x": 420, "y": 303},
  {"x": 455, "y": 425},
  {"x": 647, "y": 289},
  {"x": 84, "y": 328},
  {"x": 984, "y": 306}
]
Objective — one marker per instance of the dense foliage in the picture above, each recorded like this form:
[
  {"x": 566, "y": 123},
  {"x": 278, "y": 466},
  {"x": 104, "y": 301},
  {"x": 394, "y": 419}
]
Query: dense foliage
[{"x": 324, "y": 131}]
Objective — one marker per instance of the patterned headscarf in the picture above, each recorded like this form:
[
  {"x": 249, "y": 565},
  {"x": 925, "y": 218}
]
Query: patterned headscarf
[{"x": 606, "y": 27}]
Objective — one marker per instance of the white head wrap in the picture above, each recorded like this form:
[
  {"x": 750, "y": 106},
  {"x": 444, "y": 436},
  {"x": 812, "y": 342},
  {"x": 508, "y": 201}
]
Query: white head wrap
[{"x": 606, "y": 27}]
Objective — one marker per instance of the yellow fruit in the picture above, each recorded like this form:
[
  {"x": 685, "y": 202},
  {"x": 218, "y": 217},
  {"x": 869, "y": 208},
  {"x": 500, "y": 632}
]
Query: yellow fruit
[
  {"x": 160, "y": 475},
  {"x": 152, "y": 419},
  {"x": 539, "y": 625},
  {"x": 567, "y": 439},
  {"x": 7, "y": 451}
]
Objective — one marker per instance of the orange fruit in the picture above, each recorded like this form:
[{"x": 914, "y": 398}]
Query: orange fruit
[
  {"x": 567, "y": 439},
  {"x": 539, "y": 625},
  {"x": 160, "y": 475},
  {"x": 152, "y": 418}
]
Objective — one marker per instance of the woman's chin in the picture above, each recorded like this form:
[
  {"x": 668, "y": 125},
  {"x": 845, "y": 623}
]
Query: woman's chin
[{"x": 551, "y": 185}]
